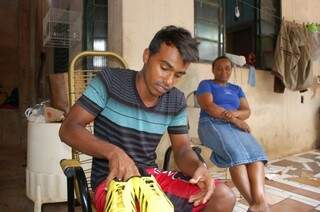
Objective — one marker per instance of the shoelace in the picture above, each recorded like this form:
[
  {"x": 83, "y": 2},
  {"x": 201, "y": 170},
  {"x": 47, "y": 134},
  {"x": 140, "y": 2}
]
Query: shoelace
[
  {"x": 150, "y": 183},
  {"x": 155, "y": 193},
  {"x": 119, "y": 191},
  {"x": 119, "y": 201}
]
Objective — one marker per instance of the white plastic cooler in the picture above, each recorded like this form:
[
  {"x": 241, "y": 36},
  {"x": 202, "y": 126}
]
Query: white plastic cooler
[{"x": 45, "y": 181}]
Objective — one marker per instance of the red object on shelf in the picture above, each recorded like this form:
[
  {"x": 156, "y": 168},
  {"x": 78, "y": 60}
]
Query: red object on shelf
[
  {"x": 251, "y": 59},
  {"x": 8, "y": 106}
]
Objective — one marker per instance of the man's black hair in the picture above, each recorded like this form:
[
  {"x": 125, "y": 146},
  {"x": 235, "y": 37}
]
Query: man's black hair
[{"x": 178, "y": 37}]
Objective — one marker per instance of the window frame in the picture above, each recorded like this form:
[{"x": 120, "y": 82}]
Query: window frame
[
  {"x": 220, "y": 25},
  {"x": 256, "y": 31},
  {"x": 89, "y": 23}
]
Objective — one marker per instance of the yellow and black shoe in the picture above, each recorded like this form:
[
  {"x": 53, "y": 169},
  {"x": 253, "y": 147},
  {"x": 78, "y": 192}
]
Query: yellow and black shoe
[
  {"x": 150, "y": 196},
  {"x": 120, "y": 197}
]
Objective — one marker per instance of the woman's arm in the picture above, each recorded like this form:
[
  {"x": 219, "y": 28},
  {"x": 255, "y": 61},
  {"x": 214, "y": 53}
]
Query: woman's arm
[
  {"x": 244, "y": 111},
  {"x": 237, "y": 118},
  {"x": 207, "y": 104}
]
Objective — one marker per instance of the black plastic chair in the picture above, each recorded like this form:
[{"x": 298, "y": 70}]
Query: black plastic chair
[
  {"x": 76, "y": 178},
  {"x": 192, "y": 103}
]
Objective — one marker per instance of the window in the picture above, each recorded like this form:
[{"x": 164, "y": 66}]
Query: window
[
  {"x": 95, "y": 28},
  {"x": 99, "y": 45},
  {"x": 254, "y": 31},
  {"x": 60, "y": 60},
  {"x": 209, "y": 28}
]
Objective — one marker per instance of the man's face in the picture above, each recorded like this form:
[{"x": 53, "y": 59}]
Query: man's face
[{"x": 163, "y": 69}]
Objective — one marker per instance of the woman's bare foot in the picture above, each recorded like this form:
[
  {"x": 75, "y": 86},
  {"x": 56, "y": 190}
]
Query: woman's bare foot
[{"x": 262, "y": 207}]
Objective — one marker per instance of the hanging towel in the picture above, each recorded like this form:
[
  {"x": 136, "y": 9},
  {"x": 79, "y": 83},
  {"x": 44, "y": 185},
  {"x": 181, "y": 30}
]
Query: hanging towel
[
  {"x": 252, "y": 76},
  {"x": 238, "y": 60},
  {"x": 314, "y": 45},
  {"x": 292, "y": 58}
]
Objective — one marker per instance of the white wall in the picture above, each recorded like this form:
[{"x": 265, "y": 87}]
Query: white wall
[
  {"x": 282, "y": 124},
  {"x": 142, "y": 18}
]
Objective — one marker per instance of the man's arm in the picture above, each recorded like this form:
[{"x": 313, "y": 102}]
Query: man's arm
[
  {"x": 74, "y": 133},
  {"x": 185, "y": 158},
  {"x": 189, "y": 163}
]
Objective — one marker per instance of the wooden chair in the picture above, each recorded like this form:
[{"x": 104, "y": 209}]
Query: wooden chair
[{"x": 78, "y": 169}]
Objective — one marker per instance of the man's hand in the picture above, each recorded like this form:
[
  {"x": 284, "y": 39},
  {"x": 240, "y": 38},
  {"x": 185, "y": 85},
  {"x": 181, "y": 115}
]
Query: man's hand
[
  {"x": 202, "y": 178},
  {"x": 121, "y": 166}
]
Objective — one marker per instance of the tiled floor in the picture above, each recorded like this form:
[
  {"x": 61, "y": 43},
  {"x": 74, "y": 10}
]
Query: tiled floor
[{"x": 294, "y": 184}]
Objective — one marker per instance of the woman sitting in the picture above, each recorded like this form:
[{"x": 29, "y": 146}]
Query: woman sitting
[{"x": 223, "y": 129}]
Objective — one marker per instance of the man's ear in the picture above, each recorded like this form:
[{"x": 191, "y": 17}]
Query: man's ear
[{"x": 146, "y": 54}]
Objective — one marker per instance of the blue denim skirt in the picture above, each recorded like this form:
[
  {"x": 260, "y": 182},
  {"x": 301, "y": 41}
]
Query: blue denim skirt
[{"x": 230, "y": 145}]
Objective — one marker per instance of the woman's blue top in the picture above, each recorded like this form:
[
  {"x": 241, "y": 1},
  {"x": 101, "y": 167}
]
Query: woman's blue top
[{"x": 227, "y": 96}]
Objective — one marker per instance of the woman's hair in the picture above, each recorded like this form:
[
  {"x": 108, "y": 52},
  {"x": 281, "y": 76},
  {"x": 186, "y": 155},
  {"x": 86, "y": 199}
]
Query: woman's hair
[
  {"x": 178, "y": 37},
  {"x": 220, "y": 58}
]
